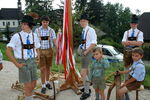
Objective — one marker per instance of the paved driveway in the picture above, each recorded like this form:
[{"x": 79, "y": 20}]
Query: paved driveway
[{"x": 9, "y": 75}]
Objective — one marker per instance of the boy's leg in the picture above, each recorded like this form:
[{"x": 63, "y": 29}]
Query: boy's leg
[
  {"x": 1, "y": 67},
  {"x": 28, "y": 91},
  {"x": 49, "y": 58},
  {"x": 86, "y": 84},
  {"x": 97, "y": 94},
  {"x": 121, "y": 93},
  {"x": 33, "y": 84},
  {"x": 102, "y": 94}
]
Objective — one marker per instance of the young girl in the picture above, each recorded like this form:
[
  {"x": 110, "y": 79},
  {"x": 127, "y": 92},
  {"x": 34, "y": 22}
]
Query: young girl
[{"x": 97, "y": 73}]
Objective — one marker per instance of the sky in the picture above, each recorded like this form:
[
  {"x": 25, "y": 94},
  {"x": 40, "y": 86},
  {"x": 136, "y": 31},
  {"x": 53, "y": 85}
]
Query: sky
[{"x": 142, "y": 5}]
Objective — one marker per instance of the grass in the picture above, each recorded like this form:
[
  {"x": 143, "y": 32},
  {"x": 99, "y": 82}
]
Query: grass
[
  {"x": 113, "y": 67},
  {"x": 3, "y": 49}
]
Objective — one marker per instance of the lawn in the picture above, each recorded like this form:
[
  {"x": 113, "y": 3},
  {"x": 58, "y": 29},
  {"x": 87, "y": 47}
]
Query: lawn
[{"x": 3, "y": 49}]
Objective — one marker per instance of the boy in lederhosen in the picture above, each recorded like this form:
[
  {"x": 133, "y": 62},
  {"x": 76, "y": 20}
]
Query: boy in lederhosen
[
  {"x": 131, "y": 39},
  {"x": 89, "y": 41},
  {"x": 136, "y": 73},
  {"x": 25, "y": 46},
  {"x": 47, "y": 37}
]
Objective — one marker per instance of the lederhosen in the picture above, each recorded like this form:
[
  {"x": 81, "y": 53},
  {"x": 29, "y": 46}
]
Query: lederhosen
[
  {"x": 27, "y": 46},
  {"x": 128, "y": 50},
  {"x": 134, "y": 85}
]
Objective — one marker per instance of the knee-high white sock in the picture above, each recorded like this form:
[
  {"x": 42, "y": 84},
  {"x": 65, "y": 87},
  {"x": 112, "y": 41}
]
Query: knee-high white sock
[
  {"x": 86, "y": 84},
  {"x": 28, "y": 98}
]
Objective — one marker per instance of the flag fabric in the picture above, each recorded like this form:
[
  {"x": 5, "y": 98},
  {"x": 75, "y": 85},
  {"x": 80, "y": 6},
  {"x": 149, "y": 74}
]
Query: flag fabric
[
  {"x": 59, "y": 48},
  {"x": 67, "y": 52}
]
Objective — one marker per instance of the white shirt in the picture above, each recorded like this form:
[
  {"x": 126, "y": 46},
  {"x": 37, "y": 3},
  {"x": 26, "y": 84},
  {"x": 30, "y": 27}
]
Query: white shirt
[
  {"x": 91, "y": 37},
  {"x": 140, "y": 36},
  {"x": 15, "y": 43}
]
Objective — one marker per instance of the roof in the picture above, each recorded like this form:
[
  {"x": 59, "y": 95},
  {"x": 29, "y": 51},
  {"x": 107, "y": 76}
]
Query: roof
[
  {"x": 10, "y": 14},
  {"x": 144, "y": 23}
]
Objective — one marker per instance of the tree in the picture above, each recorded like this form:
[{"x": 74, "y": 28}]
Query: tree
[
  {"x": 41, "y": 7},
  {"x": 117, "y": 19},
  {"x": 95, "y": 10},
  {"x": 44, "y": 7}
]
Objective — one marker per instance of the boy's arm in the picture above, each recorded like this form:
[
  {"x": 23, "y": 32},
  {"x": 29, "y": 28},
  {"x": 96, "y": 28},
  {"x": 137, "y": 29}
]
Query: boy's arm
[
  {"x": 11, "y": 57},
  {"x": 54, "y": 40},
  {"x": 124, "y": 72}
]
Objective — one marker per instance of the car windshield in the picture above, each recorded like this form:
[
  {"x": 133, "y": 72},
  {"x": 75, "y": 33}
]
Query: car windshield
[{"x": 115, "y": 51}]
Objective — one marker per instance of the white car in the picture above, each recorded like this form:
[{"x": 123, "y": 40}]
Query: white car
[{"x": 111, "y": 53}]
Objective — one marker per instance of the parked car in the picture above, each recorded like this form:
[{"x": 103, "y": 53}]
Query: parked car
[{"x": 111, "y": 53}]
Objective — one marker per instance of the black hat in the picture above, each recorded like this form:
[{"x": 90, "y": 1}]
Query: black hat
[
  {"x": 134, "y": 19},
  {"x": 28, "y": 19},
  {"x": 84, "y": 16}
]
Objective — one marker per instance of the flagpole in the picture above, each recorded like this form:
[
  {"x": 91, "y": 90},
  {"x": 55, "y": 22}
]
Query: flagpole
[{"x": 72, "y": 78}]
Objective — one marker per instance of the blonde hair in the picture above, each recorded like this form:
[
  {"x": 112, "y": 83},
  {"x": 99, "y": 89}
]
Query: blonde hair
[{"x": 98, "y": 49}]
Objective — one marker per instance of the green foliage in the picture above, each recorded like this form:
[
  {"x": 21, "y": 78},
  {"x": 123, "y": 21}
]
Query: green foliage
[
  {"x": 147, "y": 81},
  {"x": 44, "y": 7},
  {"x": 110, "y": 41},
  {"x": 113, "y": 19},
  {"x": 3, "y": 49}
]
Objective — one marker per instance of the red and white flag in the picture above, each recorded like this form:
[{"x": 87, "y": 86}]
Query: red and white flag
[{"x": 67, "y": 55}]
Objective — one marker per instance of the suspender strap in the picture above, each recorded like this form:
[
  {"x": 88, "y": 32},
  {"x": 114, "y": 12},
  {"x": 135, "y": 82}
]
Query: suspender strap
[
  {"x": 137, "y": 35},
  {"x": 86, "y": 37},
  {"x": 45, "y": 37},
  {"x": 34, "y": 45},
  {"x": 21, "y": 45},
  {"x": 128, "y": 33},
  {"x": 49, "y": 39}
]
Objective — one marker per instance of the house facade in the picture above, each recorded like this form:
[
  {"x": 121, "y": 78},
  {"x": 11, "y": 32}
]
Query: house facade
[{"x": 10, "y": 18}]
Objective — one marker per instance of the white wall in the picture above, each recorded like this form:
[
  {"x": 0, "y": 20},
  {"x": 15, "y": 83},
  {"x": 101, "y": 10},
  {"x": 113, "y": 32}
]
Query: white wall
[{"x": 11, "y": 23}]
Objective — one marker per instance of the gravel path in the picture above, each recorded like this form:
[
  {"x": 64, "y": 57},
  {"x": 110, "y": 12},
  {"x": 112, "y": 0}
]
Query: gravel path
[{"x": 9, "y": 75}]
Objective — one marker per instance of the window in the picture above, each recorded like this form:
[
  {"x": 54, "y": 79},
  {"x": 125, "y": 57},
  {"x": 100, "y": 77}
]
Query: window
[
  {"x": 8, "y": 23},
  {"x": 106, "y": 52},
  {"x": 14, "y": 23},
  {"x": 3, "y": 23}
]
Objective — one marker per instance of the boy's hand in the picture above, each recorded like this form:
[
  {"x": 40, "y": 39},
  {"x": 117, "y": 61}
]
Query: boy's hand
[
  {"x": 19, "y": 65},
  {"x": 117, "y": 72},
  {"x": 122, "y": 85}
]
